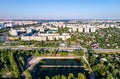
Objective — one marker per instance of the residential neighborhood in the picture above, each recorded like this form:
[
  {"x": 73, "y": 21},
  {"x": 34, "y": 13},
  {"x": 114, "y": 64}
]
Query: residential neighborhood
[{"x": 59, "y": 39}]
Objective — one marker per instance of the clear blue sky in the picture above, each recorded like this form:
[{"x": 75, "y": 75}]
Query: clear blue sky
[{"x": 60, "y": 9}]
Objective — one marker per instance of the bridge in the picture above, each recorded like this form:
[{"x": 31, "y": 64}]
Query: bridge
[
  {"x": 60, "y": 66},
  {"x": 36, "y": 60}
]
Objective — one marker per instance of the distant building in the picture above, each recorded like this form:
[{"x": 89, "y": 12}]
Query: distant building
[
  {"x": 22, "y": 30},
  {"x": 2, "y": 26},
  {"x": 24, "y": 22},
  {"x": 13, "y": 32},
  {"x": 40, "y": 29},
  {"x": 10, "y": 24},
  {"x": 36, "y": 38},
  {"x": 80, "y": 29},
  {"x": 93, "y": 29},
  {"x": 45, "y": 36},
  {"x": 56, "y": 36},
  {"x": 29, "y": 30},
  {"x": 86, "y": 30}
]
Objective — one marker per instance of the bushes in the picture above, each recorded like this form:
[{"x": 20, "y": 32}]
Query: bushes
[
  {"x": 14, "y": 65},
  {"x": 70, "y": 76},
  {"x": 28, "y": 74},
  {"x": 79, "y": 52}
]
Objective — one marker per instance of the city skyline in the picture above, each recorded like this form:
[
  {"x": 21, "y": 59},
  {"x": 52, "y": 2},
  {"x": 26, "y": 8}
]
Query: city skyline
[{"x": 59, "y": 9}]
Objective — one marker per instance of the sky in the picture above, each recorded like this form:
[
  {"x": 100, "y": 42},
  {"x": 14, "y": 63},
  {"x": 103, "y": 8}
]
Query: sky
[{"x": 59, "y": 9}]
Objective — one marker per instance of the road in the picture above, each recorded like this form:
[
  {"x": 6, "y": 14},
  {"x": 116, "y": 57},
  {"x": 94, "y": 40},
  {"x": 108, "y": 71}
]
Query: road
[
  {"x": 59, "y": 48},
  {"x": 107, "y": 50},
  {"x": 31, "y": 48}
]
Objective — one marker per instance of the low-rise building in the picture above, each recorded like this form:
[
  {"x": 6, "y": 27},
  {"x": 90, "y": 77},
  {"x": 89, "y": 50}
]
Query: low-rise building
[
  {"x": 86, "y": 30},
  {"x": 36, "y": 38},
  {"x": 8, "y": 24},
  {"x": 45, "y": 36},
  {"x": 2, "y": 26},
  {"x": 93, "y": 29},
  {"x": 40, "y": 29},
  {"x": 80, "y": 29},
  {"x": 13, "y": 32}
]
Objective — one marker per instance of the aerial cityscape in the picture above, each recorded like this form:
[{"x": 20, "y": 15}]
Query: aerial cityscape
[{"x": 59, "y": 39}]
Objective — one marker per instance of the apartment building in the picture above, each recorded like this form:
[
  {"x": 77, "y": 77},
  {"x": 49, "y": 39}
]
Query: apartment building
[
  {"x": 13, "y": 32},
  {"x": 45, "y": 36}
]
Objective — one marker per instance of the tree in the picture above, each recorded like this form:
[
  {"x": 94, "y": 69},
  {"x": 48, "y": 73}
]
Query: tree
[
  {"x": 100, "y": 68},
  {"x": 22, "y": 60},
  {"x": 92, "y": 59},
  {"x": 47, "y": 77},
  {"x": 70, "y": 76},
  {"x": 37, "y": 53},
  {"x": 81, "y": 76},
  {"x": 14, "y": 65},
  {"x": 109, "y": 76},
  {"x": 28, "y": 74},
  {"x": 63, "y": 77},
  {"x": 81, "y": 52}
]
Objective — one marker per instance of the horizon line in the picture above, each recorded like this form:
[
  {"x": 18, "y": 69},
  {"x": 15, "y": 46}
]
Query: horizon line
[{"x": 63, "y": 19}]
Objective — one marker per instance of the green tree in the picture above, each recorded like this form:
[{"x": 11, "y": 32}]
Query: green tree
[
  {"x": 92, "y": 59},
  {"x": 47, "y": 77},
  {"x": 70, "y": 76},
  {"x": 14, "y": 65},
  {"x": 22, "y": 60},
  {"x": 81, "y": 76},
  {"x": 81, "y": 52},
  {"x": 63, "y": 77},
  {"x": 28, "y": 74},
  {"x": 109, "y": 76}
]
